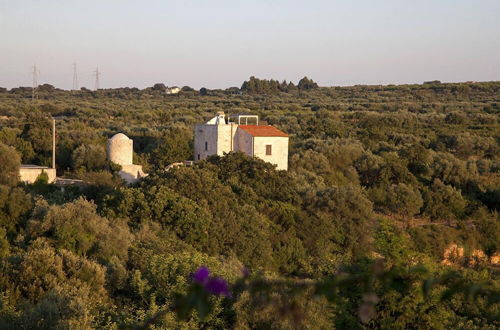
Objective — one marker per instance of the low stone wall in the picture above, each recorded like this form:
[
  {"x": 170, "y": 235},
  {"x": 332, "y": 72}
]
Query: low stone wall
[
  {"x": 29, "y": 175},
  {"x": 131, "y": 173}
]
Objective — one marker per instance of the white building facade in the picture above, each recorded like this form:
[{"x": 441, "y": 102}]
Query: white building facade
[
  {"x": 172, "y": 90},
  {"x": 219, "y": 136}
]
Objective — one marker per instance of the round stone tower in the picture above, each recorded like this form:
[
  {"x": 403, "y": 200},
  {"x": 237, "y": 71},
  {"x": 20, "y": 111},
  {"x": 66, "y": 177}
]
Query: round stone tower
[{"x": 120, "y": 149}]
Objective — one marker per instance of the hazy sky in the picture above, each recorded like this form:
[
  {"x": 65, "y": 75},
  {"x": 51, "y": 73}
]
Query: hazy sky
[{"x": 220, "y": 43}]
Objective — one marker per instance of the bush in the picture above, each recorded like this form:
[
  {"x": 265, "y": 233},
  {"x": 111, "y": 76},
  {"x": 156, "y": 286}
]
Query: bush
[
  {"x": 443, "y": 202},
  {"x": 63, "y": 290},
  {"x": 349, "y": 212},
  {"x": 397, "y": 198},
  {"x": 78, "y": 228},
  {"x": 89, "y": 158},
  {"x": 9, "y": 165}
]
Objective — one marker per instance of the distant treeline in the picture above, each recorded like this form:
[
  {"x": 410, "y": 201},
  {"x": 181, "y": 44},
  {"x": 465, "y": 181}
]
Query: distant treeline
[{"x": 252, "y": 86}]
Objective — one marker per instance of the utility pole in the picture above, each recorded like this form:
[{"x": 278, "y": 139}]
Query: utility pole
[
  {"x": 97, "y": 74},
  {"x": 53, "y": 143},
  {"x": 34, "y": 89},
  {"x": 75, "y": 78}
]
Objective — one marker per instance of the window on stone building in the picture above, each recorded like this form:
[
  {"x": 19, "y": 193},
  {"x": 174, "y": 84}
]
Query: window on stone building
[
  {"x": 206, "y": 146},
  {"x": 269, "y": 149}
]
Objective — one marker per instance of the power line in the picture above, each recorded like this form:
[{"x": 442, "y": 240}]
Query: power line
[
  {"x": 23, "y": 123},
  {"x": 75, "y": 78},
  {"x": 19, "y": 123}
]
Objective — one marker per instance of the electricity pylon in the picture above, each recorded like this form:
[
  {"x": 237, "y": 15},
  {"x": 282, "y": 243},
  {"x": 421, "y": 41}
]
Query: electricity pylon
[
  {"x": 34, "y": 89},
  {"x": 97, "y": 74},
  {"x": 75, "y": 78}
]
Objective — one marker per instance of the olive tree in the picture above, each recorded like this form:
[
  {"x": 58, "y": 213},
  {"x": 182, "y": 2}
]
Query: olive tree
[{"x": 9, "y": 165}]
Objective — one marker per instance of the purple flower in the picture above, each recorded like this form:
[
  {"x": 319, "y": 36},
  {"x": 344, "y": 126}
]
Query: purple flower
[
  {"x": 202, "y": 275},
  {"x": 217, "y": 286},
  {"x": 213, "y": 285}
]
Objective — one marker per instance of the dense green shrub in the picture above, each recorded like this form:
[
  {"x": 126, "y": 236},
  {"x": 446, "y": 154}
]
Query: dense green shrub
[
  {"x": 89, "y": 158},
  {"x": 442, "y": 201},
  {"x": 382, "y": 181},
  {"x": 9, "y": 165}
]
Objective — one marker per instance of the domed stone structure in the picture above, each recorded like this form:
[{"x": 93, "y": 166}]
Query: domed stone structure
[{"x": 120, "y": 151}]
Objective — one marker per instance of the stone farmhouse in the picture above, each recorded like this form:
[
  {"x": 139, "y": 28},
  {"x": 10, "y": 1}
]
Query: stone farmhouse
[{"x": 218, "y": 136}]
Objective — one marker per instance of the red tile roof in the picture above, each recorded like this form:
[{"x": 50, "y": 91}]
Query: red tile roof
[{"x": 262, "y": 130}]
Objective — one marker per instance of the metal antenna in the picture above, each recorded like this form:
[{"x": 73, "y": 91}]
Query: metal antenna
[
  {"x": 53, "y": 143},
  {"x": 75, "y": 78},
  {"x": 97, "y": 74},
  {"x": 34, "y": 90}
]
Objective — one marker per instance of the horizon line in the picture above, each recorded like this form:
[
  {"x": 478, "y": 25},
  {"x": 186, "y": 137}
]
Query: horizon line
[{"x": 436, "y": 81}]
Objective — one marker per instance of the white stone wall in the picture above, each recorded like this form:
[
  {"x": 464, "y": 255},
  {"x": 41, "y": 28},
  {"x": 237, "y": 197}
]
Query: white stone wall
[
  {"x": 202, "y": 134},
  {"x": 29, "y": 175},
  {"x": 244, "y": 142},
  {"x": 120, "y": 151},
  {"x": 225, "y": 138},
  {"x": 131, "y": 173},
  {"x": 279, "y": 148},
  {"x": 219, "y": 139}
]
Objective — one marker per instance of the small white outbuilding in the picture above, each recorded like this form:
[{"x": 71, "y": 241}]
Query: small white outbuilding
[
  {"x": 173, "y": 90},
  {"x": 120, "y": 150}
]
